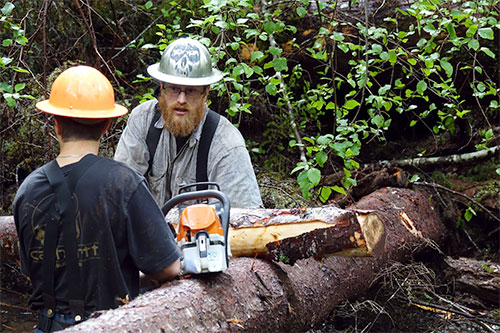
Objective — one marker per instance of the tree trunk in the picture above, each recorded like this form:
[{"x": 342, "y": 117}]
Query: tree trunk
[{"x": 260, "y": 295}]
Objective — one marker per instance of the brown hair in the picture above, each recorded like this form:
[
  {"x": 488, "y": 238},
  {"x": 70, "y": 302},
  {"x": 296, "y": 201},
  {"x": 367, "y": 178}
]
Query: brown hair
[{"x": 73, "y": 129}]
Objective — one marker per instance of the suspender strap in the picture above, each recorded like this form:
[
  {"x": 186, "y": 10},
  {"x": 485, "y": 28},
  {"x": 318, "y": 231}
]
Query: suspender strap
[
  {"x": 48, "y": 264},
  {"x": 152, "y": 138},
  {"x": 207, "y": 135},
  {"x": 63, "y": 189}
]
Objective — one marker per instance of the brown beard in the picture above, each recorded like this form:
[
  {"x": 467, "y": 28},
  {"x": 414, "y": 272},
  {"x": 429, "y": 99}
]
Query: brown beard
[{"x": 180, "y": 126}]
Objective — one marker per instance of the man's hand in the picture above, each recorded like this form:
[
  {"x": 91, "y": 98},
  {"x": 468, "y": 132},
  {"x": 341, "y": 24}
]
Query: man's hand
[{"x": 155, "y": 280}]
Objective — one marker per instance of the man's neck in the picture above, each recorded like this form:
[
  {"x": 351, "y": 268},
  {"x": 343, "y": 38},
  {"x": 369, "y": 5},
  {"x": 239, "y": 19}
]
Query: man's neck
[{"x": 74, "y": 151}]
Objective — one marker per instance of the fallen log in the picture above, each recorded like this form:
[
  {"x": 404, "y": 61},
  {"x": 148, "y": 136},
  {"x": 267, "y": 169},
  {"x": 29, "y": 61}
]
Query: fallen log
[{"x": 261, "y": 295}]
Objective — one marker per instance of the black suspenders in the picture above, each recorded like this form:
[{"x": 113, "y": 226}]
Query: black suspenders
[
  {"x": 207, "y": 134},
  {"x": 66, "y": 213}
]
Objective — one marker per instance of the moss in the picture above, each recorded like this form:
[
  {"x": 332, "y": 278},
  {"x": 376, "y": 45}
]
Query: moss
[{"x": 441, "y": 179}]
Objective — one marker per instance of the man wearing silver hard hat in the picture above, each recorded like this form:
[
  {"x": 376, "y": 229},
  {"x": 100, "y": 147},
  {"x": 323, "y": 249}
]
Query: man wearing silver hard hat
[{"x": 175, "y": 140}]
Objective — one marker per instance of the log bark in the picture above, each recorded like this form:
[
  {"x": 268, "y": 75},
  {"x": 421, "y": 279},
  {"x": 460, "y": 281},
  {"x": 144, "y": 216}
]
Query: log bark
[
  {"x": 478, "y": 277},
  {"x": 264, "y": 296},
  {"x": 9, "y": 246}
]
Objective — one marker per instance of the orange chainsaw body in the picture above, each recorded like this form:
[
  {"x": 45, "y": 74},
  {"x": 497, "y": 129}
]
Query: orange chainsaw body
[{"x": 198, "y": 217}]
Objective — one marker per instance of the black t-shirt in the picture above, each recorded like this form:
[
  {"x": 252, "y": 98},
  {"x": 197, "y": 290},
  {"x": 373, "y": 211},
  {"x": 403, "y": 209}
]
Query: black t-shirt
[{"x": 120, "y": 230}]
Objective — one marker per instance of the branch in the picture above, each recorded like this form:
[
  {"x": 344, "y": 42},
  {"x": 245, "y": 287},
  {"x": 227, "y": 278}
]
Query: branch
[
  {"x": 289, "y": 105},
  {"x": 422, "y": 161}
]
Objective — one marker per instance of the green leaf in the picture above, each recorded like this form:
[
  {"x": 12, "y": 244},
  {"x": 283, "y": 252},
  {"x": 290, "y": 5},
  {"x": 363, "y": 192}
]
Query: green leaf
[
  {"x": 448, "y": 68},
  {"x": 321, "y": 158},
  {"x": 421, "y": 86},
  {"x": 325, "y": 139},
  {"x": 7, "y": 42},
  {"x": 392, "y": 57},
  {"x": 270, "y": 27},
  {"x": 451, "y": 30},
  {"x": 488, "y": 52},
  {"x": 378, "y": 120},
  {"x": 275, "y": 50},
  {"x": 339, "y": 189},
  {"x": 7, "y": 8},
  {"x": 351, "y": 104},
  {"x": 256, "y": 55},
  {"x": 469, "y": 213},
  {"x": 324, "y": 193},
  {"x": 271, "y": 89},
  {"x": 489, "y": 134},
  {"x": 18, "y": 87},
  {"x": 148, "y": 5},
  {"x": 414, "y": 178},
  {"x": 280, "y": 64},
  {"x": 473, "y": 44},
  {"x": 314, "y": 175},
  {"x": 486, "y": 33},
  {"x": 301, "y": 12}
]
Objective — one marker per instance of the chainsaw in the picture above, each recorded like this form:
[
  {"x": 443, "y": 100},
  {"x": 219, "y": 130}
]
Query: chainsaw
[{"x": 202, "y": 228}]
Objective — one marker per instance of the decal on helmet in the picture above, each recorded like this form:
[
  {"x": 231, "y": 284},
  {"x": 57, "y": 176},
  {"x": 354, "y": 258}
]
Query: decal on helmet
[{"x": 185, "y": 57}]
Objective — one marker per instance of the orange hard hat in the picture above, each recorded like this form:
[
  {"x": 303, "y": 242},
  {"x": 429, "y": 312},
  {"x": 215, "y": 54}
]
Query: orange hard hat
[{"x": 82, "y": 92}]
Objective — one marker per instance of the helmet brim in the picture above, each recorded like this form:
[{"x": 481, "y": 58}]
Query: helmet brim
[
  {"x": 115, "y": 112},
  {"x": 154, "y": 71}
]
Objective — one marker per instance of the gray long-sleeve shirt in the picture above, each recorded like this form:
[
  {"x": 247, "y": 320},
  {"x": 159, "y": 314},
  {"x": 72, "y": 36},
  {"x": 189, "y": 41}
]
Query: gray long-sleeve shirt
[{"x": 228, "y": 164}]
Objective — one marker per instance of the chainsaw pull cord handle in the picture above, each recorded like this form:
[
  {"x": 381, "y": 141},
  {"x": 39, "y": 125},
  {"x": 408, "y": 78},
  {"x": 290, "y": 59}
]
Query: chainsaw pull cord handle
[{"x": 226, "y": 206}]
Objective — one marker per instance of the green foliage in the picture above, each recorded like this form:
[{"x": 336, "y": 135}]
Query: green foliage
[{"x": 323, "y": 91}]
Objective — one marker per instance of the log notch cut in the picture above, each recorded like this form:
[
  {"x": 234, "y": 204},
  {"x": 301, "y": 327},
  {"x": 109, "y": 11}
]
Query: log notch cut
[
  {"x": 264, "y": 296},
  {"x": 291, "y": 234}
]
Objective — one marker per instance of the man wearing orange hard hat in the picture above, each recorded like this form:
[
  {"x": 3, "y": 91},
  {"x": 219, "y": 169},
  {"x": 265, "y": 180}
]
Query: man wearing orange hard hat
[{"x": 87, "y": 225}]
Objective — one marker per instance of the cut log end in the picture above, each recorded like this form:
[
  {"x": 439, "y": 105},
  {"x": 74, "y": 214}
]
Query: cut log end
[{"x": 374, "y": 232}]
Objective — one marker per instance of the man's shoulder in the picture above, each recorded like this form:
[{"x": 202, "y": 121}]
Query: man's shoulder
[
  {"x": 119, "y": 169},
  {"x": 36, "y": 179},
  {"x": 228, "y": 134}
]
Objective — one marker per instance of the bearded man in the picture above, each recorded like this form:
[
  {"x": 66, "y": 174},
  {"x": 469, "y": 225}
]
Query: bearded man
[{"x": 165, "y": 138}]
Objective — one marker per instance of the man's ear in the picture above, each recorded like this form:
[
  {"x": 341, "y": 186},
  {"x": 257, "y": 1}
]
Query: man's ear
[
  {"x": 207, "y": 89},
  {"x": 106, "y": 128},
  {"x": 57, "y": 126}
]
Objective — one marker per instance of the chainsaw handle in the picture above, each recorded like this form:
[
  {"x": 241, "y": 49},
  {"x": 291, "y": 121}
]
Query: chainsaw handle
[{"x": 201, "y": 195}]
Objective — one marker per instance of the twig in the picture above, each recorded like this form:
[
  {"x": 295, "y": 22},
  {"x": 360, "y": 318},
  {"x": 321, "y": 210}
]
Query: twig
[
  {"x": 13, "y": 291},
  {"x": 446, "y": 309},
  {"x": 22, "y": 308},
  {"x": 93, "y": 40},
  {"x": 289, "y": 105}
]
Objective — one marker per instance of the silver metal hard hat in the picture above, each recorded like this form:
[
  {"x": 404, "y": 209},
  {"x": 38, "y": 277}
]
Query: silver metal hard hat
[{"x": 185, "y": 62}]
